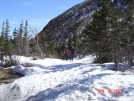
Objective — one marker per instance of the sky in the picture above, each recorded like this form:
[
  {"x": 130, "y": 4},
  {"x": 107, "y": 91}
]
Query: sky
[
  {"x": 51, "y": 79},
  {"x": 37, "y": 12}
]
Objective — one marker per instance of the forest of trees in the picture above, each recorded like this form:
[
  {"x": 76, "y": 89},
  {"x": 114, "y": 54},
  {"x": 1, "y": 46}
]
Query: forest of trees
[
  {"x": 110, "y": 36},
  {"x": 17, "y": 43}
]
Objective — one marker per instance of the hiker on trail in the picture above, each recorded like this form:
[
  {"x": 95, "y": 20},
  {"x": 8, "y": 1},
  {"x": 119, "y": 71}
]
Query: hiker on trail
[
  {"x": 72, "y": 53},
  {"x": 67, "y": 52}
]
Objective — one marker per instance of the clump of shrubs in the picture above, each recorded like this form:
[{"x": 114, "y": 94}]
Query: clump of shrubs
[
  {"x": 8, "y": 63},
  {"x": 34, "y": 58}
]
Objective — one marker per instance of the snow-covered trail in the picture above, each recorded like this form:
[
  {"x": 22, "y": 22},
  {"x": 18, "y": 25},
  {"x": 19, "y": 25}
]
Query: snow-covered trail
[{"x": 58, "y": 80}]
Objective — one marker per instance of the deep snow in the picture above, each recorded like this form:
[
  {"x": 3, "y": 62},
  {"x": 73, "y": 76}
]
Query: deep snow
[{"x": 60, "y": 80}]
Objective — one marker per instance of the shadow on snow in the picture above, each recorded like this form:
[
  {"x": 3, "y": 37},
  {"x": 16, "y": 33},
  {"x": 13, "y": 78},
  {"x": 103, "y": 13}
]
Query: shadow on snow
[{"x": 82, "y": 85}]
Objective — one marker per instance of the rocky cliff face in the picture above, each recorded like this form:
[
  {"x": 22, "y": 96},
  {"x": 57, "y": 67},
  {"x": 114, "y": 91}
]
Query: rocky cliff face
[{"x": 70, "y": 22}]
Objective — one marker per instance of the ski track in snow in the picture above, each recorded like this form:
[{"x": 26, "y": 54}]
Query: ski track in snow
[{"x": 60, "y": 80}]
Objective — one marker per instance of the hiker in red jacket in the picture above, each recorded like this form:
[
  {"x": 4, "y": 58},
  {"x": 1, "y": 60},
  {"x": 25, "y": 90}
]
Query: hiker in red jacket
[{"x": 67, "y": 52}]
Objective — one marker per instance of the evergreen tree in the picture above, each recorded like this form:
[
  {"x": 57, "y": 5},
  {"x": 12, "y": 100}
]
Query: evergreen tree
[
  {"x": 3, "y": 29},
  {"x": 6, "y": 45},
  {"x": 25, "y": 41},
  {"x": 15, "y": 33},
  {"x": 20, "y": 39},
  {"x": 51, "y": 48},
  {"x": 129, "y": 20},
  {"x": 107, "y": 34},
  {"x": 15, "y": 42},
  {"x": 76, "y": 38},
  {"x": 7, "y": 30},
  {"x": 97, "y": 33},
  {"x": 70, "y": 41},
  {"x": 117, "y": 35},
  {"x": 2, "y": 42},
  {"x": 7, "y": 38}
]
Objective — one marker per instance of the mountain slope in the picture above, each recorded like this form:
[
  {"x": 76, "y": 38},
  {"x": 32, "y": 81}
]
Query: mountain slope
[{"x": 70, "y": 22}]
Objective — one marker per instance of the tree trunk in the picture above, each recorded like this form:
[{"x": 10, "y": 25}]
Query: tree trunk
[{"x": 116, "y": 61}]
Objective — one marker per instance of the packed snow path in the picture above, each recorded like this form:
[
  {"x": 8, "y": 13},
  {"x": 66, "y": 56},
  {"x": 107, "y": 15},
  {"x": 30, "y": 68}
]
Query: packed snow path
[{"x": 60, "y": 80}]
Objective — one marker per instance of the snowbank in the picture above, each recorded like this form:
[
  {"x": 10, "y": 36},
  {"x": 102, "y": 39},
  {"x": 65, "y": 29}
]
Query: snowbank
[
  {"x": 26, "y": 70},
  {"x": 58, "y": 80}
]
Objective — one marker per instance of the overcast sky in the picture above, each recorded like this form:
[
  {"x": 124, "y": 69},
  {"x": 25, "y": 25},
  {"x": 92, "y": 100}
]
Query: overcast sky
[{"x": 37, "y": 12}]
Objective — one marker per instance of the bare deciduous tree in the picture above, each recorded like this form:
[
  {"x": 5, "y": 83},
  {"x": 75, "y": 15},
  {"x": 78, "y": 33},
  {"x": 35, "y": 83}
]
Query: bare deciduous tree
[{"x": 35, "y": 46}]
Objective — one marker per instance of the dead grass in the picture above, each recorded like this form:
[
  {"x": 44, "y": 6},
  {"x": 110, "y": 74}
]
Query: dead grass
[{"x": 7, "y": 75}]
